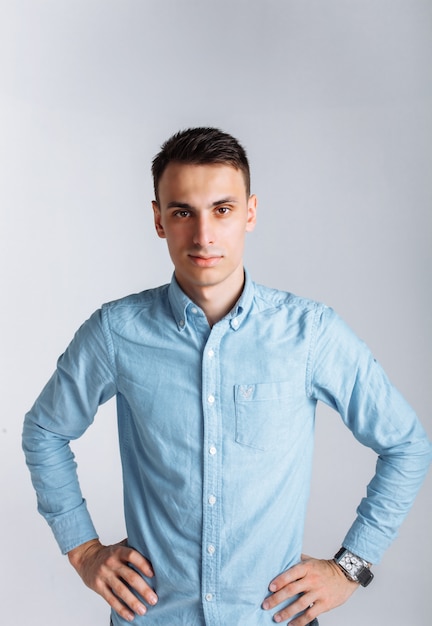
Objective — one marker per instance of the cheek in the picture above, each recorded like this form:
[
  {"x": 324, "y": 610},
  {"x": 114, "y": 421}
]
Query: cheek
[
  {"x": 235, "y": 239},
  {"x": 177, "y": 242}
]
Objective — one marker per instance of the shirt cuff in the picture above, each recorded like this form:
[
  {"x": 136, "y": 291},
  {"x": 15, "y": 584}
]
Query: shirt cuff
[
  {"x": 73, "y": 529},
  {"x": 366, "y": 542}
]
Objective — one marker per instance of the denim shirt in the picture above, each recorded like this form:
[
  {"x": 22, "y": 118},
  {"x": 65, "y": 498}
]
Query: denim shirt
[{"x": 216, "y": 433}]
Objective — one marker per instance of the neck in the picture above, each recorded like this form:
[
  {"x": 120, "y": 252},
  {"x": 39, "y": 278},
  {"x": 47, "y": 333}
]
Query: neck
[{"x": 216, "y": 300}]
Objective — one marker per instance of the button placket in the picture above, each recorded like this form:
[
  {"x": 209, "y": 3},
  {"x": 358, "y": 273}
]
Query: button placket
[{"x": 211, "y": 476}]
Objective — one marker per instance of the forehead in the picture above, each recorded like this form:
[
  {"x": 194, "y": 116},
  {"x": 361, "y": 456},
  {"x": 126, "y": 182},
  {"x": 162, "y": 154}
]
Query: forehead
[{"x": 184, "y": 179}]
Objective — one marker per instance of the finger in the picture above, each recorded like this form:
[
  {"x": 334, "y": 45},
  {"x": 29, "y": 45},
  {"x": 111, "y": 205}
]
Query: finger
[
  {"x": 119, "y": 607},
  {"x": 138, "y": 584},
  {"x": 117, "y": 587},
  {"x": 289, "y": 591},
  {"x": 305, "y": 619},
  {"x": 138, "y": 561},
  {"x": 303, "y": 605},
  {"x": 116, "y": 575},
  {"x": 124, "y": 601},
  {"x": 289, "y": 576}
]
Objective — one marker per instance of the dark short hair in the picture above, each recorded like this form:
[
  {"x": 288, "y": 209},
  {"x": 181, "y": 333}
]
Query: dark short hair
[{"x": 201, "y": 146}]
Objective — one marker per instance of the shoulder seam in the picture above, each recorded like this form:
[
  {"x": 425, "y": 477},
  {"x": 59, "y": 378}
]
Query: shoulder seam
[
  {"x": 108, "y": 338},
  {"x": 319, "y": 308}
]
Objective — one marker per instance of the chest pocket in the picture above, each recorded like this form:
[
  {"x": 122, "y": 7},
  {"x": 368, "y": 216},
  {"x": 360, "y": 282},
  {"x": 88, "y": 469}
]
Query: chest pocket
[{"x": 263, "y": 412}]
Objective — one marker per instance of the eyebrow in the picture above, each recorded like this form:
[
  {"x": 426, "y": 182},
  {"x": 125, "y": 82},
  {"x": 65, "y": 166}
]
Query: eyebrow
[{"x": 184, "y": 205}]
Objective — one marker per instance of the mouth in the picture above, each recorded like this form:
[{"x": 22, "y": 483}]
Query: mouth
[{"x": 205, "y": 261}]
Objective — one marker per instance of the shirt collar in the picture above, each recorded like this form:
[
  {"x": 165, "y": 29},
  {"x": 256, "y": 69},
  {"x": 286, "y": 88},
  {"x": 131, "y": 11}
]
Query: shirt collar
[{"x": 181, "y": 303}]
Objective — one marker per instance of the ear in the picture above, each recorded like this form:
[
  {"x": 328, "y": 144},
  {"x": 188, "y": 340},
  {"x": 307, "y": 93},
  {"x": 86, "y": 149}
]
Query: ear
[
  {"x": 251, "y": 213},
  {"x": 157, "y": 220}
]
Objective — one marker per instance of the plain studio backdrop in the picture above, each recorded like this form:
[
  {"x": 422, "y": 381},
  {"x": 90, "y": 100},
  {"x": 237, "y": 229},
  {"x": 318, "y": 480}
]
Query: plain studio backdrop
[{"x": 333, "y": 100}]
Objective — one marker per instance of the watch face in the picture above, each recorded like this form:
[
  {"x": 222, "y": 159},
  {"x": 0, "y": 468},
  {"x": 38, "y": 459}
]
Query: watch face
[{"x": 352, "y": 564}]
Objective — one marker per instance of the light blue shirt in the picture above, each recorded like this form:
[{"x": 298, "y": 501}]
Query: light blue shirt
[{"x": 216, "y": 429}]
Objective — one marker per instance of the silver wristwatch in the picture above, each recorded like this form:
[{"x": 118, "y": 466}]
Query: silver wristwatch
[{"x": 354, "y": 567}]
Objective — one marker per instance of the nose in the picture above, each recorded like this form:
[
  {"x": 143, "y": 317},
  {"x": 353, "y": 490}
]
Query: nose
[{"x": 203, "y": 233}]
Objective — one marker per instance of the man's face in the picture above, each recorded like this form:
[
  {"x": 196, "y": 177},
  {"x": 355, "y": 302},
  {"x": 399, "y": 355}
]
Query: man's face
[{"x": 204, "y": 213}]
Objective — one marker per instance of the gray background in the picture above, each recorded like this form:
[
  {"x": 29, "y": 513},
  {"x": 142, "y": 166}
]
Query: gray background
[{"x": 333, "y": 100}]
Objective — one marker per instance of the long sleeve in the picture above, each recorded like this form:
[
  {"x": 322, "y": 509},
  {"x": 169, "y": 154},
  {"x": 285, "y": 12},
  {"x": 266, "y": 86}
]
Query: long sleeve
[
  {"x": 66, "y": 407},
  {"x": 345, "y": 375}
]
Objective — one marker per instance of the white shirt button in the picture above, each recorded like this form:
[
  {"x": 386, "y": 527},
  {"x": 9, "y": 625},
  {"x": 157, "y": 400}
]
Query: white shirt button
[
  {"x": 235, "y": 322},
  {"x": 181, "y": 323},
  {"x": 211, "y": 399},
  {"x": 194, "y": 310},
  {"x": 209, "y": 597},
  {"x": 212, "y": 500},
  {"x": 210, "y": 353},
  {"x": 211, "y": 549},
  {"x": 212, "y": 450}
]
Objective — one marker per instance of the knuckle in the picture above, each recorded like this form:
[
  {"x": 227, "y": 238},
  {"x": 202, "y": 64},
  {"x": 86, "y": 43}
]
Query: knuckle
[
  {"x": 118, "y": 587},
  {"x": 133, "y": 579},
  {"x": 295, "y": 588},
  {"x": 131, "y": 554},
  {"x": 99, "y": 575},
  {"x": 99, "y": 587},
  {"x": 285, "y": 614},
  {"x": 110, "y": 562}
]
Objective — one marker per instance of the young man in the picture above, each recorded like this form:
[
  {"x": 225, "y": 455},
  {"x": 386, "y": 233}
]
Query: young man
[{"x": 217, "y": 380}]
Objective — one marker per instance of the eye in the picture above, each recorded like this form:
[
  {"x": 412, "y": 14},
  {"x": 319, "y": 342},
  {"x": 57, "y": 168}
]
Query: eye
[
  {"x": 182, "y": 213},
  {"x": 223, "y": 210}
]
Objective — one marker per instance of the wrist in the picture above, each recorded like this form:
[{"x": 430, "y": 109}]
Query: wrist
[
  {"x": 77, "y": 555},
  {"x": 354, "y": 567}
]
